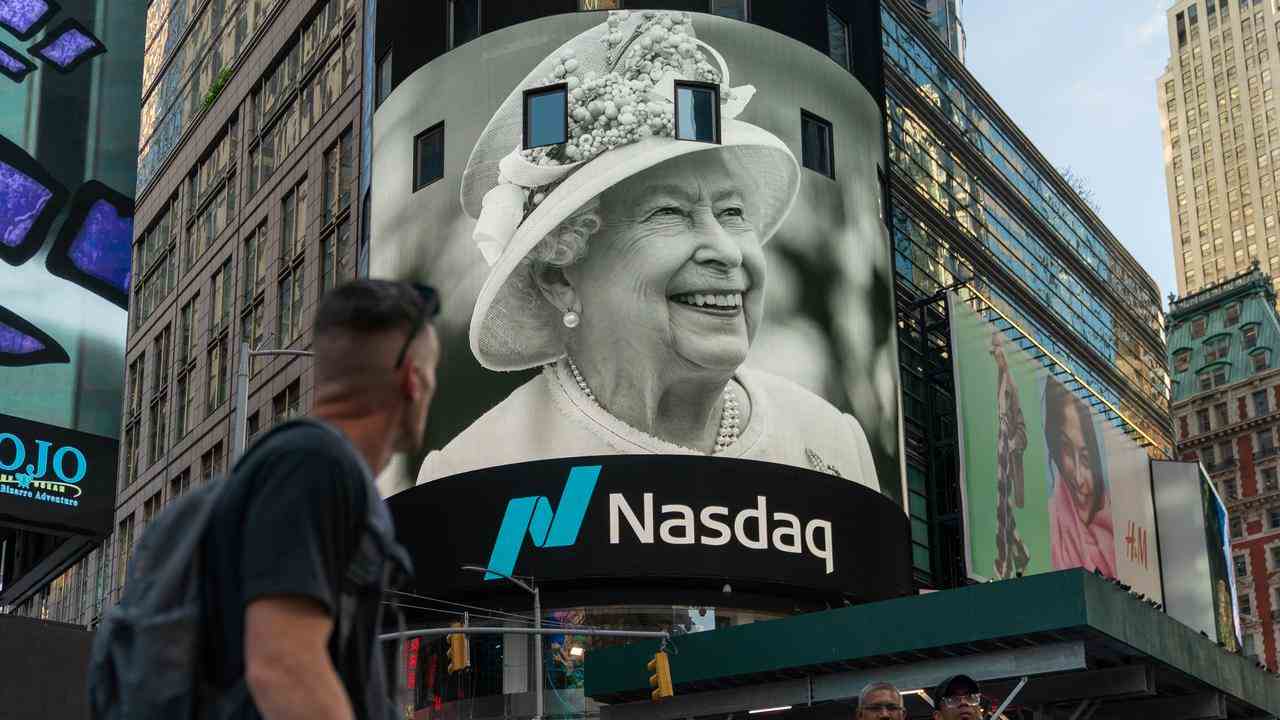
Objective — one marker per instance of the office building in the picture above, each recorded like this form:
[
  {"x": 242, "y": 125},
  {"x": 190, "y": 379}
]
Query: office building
[
  {"x": 1221, "y": 133},
  {"x": 1226, "y": 407}
]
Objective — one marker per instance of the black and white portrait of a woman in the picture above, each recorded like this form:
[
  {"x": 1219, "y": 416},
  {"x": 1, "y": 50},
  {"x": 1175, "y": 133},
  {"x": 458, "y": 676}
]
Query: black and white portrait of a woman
[{"x": 627, "y": 269}]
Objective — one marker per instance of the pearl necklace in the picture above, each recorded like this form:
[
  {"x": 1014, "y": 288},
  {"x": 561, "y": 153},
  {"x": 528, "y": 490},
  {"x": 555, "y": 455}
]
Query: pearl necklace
[{"x": 729, "y": 414}]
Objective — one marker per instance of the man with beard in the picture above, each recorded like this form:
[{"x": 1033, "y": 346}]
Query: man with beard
[{"x": 300, "y": 546}]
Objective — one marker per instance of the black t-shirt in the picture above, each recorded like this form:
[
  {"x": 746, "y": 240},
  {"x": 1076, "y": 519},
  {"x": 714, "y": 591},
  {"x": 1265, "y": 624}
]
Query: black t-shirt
[{"x": 302, "y": 513}]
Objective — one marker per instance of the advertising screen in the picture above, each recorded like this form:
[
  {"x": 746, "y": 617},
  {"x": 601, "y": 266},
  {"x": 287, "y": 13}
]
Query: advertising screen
[
  {"x": 1195, "y": 548},
  {"x": 55, "y": 478},
  {"x": 65, "y": 263},
  {"x": 654, "y": 233},
  {"x": 1047, "y": 483},
  {"x": 634, "y": 521}
]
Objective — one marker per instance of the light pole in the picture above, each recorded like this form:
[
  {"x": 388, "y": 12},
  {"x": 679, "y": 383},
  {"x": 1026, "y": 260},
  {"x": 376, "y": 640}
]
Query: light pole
[
  {"x": 241, "y": 414},
  {"x": 537, "y": 623}
]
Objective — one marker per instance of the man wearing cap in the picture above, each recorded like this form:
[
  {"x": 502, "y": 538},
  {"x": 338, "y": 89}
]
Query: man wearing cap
[
  {"x": 628, "y": 265},
  {"x": 958, "y": 698}
]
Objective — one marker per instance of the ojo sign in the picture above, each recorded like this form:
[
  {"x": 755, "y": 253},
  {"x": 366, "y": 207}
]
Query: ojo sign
[
  {"x": 57, "y": 477},
  {"x": 657, "y": 521}
]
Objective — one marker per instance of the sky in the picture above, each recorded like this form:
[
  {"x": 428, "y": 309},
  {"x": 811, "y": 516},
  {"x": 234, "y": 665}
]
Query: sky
[{"x": 1079, "y": 78}]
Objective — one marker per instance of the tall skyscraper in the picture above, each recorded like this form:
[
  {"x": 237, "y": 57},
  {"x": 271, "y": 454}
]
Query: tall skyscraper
[{"x": 1221, "y": 130}]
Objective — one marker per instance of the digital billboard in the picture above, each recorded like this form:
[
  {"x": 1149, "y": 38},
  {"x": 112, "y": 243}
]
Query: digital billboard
[
  {"x": 1047, "y": 483},
  {"x": 67, "y": 168},
  {"x": 653, "y": 233},
  {"x": 635, "y": 521},
  {"x": 1195, "y": 549}
]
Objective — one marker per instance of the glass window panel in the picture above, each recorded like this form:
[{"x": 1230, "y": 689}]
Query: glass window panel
[
  {"x": 428, "y": 150},
  {"x": 736, "y": 9},
  {"x": 815, "y": 142},
  {"x": 838, "y": 39},
  {"x": 546, "y": 117},
  {"x": 696, "y": 113}
]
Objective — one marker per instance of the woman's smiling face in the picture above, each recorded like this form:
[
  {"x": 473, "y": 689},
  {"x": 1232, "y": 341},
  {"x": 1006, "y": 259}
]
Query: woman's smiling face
[{"x": 677, "y": 272}]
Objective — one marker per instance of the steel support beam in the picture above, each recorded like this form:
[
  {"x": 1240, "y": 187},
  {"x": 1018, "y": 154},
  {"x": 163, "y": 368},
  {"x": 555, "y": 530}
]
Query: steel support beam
[{"x": 1201, "y": 706}]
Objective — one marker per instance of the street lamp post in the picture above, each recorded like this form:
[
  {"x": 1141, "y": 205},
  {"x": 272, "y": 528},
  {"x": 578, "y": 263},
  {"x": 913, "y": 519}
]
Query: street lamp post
[
  {"x": 241, "y": 414},
  {"x": 537, "y": 623}
]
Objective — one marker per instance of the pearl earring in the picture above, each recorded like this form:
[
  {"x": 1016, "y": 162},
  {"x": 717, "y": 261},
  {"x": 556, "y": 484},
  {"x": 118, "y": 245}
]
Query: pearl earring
[{"x": 571, "y": 319}]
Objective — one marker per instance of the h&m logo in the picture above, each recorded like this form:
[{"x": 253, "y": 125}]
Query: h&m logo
[{"x": 547, "y": 528}]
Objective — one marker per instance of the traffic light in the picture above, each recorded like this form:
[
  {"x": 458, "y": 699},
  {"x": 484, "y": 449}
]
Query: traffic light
[
  {"x": 459, "y": 652},
  {"x": 660, "y": 680}
]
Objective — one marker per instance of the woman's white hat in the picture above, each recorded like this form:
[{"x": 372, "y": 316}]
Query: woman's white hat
[{"x": 519, "y": 196}]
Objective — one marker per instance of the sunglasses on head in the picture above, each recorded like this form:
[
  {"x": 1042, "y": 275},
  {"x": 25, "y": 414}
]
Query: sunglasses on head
[{"x": 430, "y": 308}]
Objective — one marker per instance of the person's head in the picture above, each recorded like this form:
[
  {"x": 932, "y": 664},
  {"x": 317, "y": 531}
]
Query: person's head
[
  {"x": 376, "y": 353},
  {"x": 958, "y": 698},
  {"x": 1073, "y": 447},
  {"x": 665, "y": 269},
  {"x": 880, "y": 701},
  {"x": 535, "y": 206}
]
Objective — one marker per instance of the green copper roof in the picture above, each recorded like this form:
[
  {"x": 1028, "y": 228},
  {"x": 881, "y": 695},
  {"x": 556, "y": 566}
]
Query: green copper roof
[
  {"x": 1253, "y": 294},
  {"x": 1069, "y": 603}
]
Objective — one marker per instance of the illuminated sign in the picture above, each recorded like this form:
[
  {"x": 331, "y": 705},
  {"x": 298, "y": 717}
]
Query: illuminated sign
[
  {"x": 657, "y": 521},
  {"x": 54, "y": 477}
]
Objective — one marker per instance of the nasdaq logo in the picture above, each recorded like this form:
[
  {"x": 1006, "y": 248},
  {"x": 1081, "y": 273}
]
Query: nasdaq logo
[{"x": 546, "y": 527}]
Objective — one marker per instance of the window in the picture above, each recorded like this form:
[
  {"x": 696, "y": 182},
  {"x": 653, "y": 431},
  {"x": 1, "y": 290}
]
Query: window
[
  {"x": 151, "y": 507},
  {"x": 1273, "y": 518},
  {"x": 180, "y": 484},
  {"x": 1229, "y": 489},
  {"x": 289, "y": 307},
  {"x": 1202, "y": 421},
  {"x": 1216, "y": 349},
  {"x": 736, "y": 9},
  {"x": 837, "y": 39},
  {"x": 1220, "y": 415},
  {"x": 1181, "y": 360},
  {"x": 1269, "y": 482},
  {"x": 815, "y": 144},
  {"x": 1212, "y": 377},
  {"x": 428, "y": 157},
  {"x": 546, "y": 116},
  {"x": 384, "y": 78},
  {"x": 1207, "y": 456},
  {"x": 222, "y": 290},
  {"x": 599, "y": 4},
  {"x": 211, "y": 464},
  {"x": 1250, "y": 335},
  {"x": 1258, "y": 361},
  {"x": 287, "y": 404},
  {"x": 1232, "y": 314},
  {"x": 464, "y": 21},
  {"x": 1198, "y": 327},
  {"x": 697, "y": 112},
  {"x": 338, "y": 176},
  {"x": 337, "y": 261},
  {"x": 293, "y": 223},
  {"x": 1237, "y": 530},
  {"x": 124, "y": 551},
  {"x": 1266, "y": 442},
  {"x": 1260, "y": 405},
  {"x": 252, "y": 427},
  {"x": 217, "y": 375},
  {"x": 1227, "y": 452},
  {"x": 158, "y": 416},
  {"x": 1246, "y": 603}
]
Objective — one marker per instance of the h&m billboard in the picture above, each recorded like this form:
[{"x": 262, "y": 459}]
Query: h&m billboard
[{"x": 1047, "y": 483}]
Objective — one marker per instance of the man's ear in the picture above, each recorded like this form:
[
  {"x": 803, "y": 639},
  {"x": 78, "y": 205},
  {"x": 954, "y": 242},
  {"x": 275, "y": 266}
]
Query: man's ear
[{"x": 555, "y": 286}]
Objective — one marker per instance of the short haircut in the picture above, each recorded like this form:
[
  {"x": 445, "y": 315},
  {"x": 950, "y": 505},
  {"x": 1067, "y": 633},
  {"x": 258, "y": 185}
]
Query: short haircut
[
  {"x": 368, "y": 307},
  {"x": 876, "y": 687}
]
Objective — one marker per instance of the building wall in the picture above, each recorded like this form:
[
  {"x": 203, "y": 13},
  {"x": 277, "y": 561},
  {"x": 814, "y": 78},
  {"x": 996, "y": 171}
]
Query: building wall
[
  {"x": 1228, "y": 422},
  {"x": 1220, "y": 124}
]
